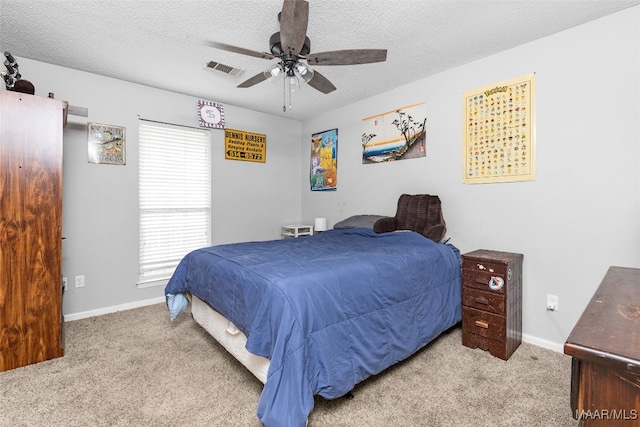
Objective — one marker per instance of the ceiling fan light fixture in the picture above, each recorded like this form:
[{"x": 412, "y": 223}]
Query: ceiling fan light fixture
[
  {"x": 293, "y": 82},
  {"x": 272, "y": 73},
  {"x": 303, "y": 71}
]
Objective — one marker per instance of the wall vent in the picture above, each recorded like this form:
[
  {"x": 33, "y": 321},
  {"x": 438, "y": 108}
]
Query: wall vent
[{"x": 223, "y": 68}]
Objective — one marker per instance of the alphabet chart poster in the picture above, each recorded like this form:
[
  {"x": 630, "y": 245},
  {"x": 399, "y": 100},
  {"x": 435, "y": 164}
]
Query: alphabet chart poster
[{"x": 499, "y": 132}]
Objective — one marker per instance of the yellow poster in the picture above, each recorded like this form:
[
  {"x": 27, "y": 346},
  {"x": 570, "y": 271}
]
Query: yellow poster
[
  {"x": 499, "y": 132},
  {"x": 324, "y": 160},
  {"x": 245, "y": 146}
]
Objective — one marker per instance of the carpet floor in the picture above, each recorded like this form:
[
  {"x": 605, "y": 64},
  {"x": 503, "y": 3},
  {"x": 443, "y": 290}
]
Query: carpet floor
[{"x": 137, "y": 368}]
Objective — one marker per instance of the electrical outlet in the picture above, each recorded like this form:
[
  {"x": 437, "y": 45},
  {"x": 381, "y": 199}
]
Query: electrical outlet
[
  {"x": 64, "y": 283},
  {"x": 552, "y": 302},
  {"x": 79, "y": 281}
]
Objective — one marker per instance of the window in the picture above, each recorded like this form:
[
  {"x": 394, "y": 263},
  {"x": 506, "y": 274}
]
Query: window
[{"x": 174, "y": 197}]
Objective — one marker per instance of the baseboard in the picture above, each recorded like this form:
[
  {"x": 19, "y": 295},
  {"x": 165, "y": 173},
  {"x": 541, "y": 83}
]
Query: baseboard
[
  {"x": 557, "y": 347},
  {"x": 113, "y": 309}
]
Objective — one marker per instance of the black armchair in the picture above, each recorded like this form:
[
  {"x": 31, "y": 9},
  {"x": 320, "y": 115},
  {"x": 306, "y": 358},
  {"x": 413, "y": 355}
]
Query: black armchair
[{"x": 421, "y": 213}]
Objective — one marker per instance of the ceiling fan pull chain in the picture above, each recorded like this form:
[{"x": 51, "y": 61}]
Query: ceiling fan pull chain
[{"x": 284, "y": 95}]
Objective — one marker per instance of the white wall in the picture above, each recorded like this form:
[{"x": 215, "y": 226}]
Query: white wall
[
  {"x": 250, "y": 201},
  {"x": 581, "y": 214}
]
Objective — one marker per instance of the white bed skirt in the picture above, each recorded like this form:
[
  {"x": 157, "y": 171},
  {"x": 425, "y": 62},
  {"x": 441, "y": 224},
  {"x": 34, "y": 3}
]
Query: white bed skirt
[{"x": 231, "y": 338}]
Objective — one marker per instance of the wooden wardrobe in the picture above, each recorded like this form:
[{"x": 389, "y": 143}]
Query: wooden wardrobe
[{"x": 30, "y": 229}]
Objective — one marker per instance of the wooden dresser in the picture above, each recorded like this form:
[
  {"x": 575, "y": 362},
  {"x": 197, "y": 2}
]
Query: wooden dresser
[
  {"x": 605, "y": 347},
  {"x": 492, "y": 301},
  {"x": 30, "y": 229}
]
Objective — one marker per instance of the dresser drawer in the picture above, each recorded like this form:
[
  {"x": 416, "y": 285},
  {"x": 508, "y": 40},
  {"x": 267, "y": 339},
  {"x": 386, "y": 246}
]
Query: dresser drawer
[
  {"x": 485, "y": 324},
  {"x": 485, "y": 281},
  {"x": 490, "y": 301},
  {"x": 488, "y": 266},
  {"x": 496, "y": 348}
]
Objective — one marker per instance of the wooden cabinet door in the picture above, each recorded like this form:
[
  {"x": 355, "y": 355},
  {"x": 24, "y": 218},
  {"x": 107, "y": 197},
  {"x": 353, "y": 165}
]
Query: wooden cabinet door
[{"x": 30, "y": 229}]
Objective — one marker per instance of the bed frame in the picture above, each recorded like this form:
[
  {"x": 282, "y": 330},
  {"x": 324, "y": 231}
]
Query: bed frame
[{"x": 229, "y": 336}]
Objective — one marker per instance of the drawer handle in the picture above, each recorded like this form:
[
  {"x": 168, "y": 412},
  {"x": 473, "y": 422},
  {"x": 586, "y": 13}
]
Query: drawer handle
[
  {"x": 482, "y": 301},
  {"x": 482, "y": 324}
]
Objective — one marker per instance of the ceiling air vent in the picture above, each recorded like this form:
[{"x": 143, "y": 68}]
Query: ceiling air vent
[{"x": 224, "y": 68}]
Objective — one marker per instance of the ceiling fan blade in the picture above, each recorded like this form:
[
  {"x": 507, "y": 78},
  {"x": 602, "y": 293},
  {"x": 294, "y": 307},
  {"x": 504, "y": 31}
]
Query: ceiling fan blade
[
  {"x": 321, "y": 83},
  {"x": 347, "y": 57},
  {"x": 260, "y": 77},
  {"x": 229, "y": 48},
  {"x": 293, "y": 25}
]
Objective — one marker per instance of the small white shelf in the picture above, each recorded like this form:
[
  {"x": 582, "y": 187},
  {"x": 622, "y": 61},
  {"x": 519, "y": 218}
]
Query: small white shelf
[{"x": 298, "y": 230}]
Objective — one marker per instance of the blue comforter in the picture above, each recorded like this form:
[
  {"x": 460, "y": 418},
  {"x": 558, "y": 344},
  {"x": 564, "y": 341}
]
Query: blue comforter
[{"x": 328, "y": 310}]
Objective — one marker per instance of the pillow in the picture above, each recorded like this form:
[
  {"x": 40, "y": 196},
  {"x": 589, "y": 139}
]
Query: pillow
[{"x": 359, "y": 221}]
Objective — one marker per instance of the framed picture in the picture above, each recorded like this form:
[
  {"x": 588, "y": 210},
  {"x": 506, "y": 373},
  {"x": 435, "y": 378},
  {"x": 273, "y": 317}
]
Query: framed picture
[
  {"x": 106, "y": 144},
  {"x": 499, "y": 132},
  {"x": 324, "y": 160},
  {"x": 395, "y": 135},
  {"x": 211, "y": 114}
]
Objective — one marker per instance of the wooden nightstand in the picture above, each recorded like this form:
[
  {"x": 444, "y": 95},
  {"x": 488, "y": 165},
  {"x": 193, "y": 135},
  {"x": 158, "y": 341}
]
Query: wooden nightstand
[{"x": 492, "y": 301}]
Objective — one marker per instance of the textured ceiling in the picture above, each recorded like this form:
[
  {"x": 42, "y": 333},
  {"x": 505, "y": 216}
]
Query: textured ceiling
[{"x": 145, "y": 41}]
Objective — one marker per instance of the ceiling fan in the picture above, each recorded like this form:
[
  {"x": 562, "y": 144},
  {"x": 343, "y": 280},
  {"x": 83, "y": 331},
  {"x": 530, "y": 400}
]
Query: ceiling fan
[{"x": 291, "y": 47}]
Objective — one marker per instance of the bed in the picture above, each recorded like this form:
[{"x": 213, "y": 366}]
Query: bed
[{"x": 317, "y": 315}]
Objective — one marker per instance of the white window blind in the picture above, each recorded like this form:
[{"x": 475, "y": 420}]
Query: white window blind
[{"x": 174, "y": 197}]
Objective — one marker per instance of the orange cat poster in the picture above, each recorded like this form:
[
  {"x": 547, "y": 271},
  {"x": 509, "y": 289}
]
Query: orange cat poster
[{"x": 324, "y": 160}]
